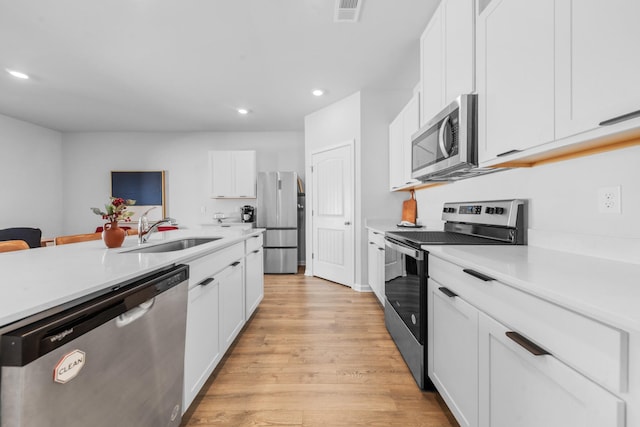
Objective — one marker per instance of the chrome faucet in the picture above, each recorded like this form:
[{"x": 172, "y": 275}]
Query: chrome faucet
[{"x": 144, "y": 229}]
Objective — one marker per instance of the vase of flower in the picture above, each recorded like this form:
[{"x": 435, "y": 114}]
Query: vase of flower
[
  {"x": 112, "y": 235},
  {"x": 115, "y": 211}
]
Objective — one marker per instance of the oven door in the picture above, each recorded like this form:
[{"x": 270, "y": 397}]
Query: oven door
[{"x": 406, "y": 286}]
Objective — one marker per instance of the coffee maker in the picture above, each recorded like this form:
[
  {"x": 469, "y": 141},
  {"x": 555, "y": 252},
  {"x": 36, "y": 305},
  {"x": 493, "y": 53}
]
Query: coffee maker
[{"x": 247, "y": 213}]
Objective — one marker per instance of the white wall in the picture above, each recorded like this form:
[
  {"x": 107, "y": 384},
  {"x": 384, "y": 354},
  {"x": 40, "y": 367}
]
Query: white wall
[
  {"x": 31, "y": 175},
  {"x": 563, "y": 210},
  {"x": 89, "y": 158}
]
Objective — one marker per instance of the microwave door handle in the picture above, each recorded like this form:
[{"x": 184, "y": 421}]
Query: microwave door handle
[{"x": 443, "y": 129}]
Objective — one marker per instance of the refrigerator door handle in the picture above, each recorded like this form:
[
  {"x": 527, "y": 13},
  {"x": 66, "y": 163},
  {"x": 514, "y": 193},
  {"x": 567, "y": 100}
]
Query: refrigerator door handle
[{"x": 279, "y": 184}]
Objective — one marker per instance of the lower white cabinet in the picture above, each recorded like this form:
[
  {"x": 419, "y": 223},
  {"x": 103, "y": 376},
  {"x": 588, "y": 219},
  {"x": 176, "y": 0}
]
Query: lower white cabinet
[
  {"x": 453, "y": 351},
  {"x": 216, "y": 308},
  {"x": 232, "y": 302},
  {"x": 254, "y": 280},
  {"x": 521, "y": 387},
  {"x": 501, "y": 357},
  {"x": 376, "y": 263},
  {"x": 202, "y": 346}
]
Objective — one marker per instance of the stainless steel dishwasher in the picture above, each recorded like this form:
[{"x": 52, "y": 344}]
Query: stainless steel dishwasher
[{"x": 114, "y": 360}]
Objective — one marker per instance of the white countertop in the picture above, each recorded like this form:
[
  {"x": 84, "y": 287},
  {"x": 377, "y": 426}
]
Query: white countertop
[
  {"x": 605, "y": 290},
  {"x": 35, "y": 280}
]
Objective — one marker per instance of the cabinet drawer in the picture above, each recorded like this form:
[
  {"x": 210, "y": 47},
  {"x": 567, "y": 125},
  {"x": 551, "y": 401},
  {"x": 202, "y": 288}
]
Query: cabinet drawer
[
  {"x": 253, "y": 243},
  {"x": 597, "y": 350},
  {"x": 208, "y": 265},
  {"x": 377, "y": 237}
]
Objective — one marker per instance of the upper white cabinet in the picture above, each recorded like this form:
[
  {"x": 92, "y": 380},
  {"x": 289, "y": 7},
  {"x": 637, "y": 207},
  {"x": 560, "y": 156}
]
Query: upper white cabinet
[
  {"x": 515, "y": 75},
  {"x": 597, "y": 65},
  {"x": 447, "y": 56},
  {"x": 233, "y": 174},
  {"x": 400, "y": 131},
  {"x": 553, "y": 73}
]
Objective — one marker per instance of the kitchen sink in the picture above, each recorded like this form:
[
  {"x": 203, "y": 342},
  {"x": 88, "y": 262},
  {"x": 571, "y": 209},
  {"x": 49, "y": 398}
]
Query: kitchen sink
[{"x": 175, "y": 245}]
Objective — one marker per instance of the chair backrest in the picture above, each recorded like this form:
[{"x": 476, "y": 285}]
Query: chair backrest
[
  {"x": 76, "y": 238},
  {"x": 13, "y": 245},
  {"x": 32, "y": 236}
]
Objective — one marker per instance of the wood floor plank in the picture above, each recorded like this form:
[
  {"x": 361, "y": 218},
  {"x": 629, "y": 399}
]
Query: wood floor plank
[{"x": 315, "y": 353}]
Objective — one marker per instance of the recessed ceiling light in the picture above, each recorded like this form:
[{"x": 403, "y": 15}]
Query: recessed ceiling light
[
  {"x": 17, "y": 74},
  {"x": 317, "y": 92},
  {"x": 243, "y": 111}
]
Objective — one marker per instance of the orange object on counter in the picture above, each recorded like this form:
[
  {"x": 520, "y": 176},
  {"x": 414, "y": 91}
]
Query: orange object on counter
[{"x": 410, "y": 209}]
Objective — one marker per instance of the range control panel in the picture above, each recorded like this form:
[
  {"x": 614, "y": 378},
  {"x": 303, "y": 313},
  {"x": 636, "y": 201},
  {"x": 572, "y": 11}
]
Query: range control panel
[{"x": 492, "y": 212}]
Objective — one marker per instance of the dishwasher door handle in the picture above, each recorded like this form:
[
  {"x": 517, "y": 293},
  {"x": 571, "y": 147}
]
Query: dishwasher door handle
[{"x": 134, "y": 314}]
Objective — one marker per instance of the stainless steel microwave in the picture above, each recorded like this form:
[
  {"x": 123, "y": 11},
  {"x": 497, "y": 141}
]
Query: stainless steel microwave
[{"x": 446, "y": 148}]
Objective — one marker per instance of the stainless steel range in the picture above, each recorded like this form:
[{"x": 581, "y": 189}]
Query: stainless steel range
[{"x": 497, "y": 222}]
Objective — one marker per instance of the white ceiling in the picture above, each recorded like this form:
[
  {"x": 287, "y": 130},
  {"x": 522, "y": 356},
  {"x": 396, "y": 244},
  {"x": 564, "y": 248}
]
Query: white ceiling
[{"x": 186, "y": 65}]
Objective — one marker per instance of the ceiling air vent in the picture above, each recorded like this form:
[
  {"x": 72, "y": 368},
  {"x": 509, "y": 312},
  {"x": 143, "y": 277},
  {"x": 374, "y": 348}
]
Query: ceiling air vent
[{"x": 348, "y": 10}]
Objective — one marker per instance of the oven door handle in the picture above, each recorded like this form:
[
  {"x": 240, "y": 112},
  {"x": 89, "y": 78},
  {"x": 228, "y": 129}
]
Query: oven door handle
[{"x": 418, "y": 255}]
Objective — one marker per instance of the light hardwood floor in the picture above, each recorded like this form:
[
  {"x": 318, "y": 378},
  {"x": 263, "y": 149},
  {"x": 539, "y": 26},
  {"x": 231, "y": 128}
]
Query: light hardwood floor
[{"x": 315, "y": 354}]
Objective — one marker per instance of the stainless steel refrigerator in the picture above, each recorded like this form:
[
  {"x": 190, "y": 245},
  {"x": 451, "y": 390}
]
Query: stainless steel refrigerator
[{"x": 277, "y": 211}]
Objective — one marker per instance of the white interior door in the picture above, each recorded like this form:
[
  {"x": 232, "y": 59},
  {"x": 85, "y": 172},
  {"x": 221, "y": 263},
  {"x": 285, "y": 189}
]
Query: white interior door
[{"x": 332, "y": 214}]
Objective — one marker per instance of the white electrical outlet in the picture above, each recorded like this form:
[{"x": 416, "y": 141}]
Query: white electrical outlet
[{"x": 609, "y": 200}]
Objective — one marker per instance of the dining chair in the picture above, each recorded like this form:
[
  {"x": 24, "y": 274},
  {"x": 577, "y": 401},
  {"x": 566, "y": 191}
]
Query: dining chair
[
  {"x": 30, "y": 235},
  {"x": 77, "y": 238},
  {"x": 13, "y": 245}
]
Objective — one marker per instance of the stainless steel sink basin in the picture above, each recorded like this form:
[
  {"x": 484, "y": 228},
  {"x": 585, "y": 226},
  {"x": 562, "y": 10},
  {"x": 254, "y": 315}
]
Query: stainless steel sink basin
[{"x": 176, "y": 245}]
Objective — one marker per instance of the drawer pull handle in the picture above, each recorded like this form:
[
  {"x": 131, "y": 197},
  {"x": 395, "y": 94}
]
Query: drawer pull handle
[
  {"x": 381, "y": 249},
  {"x": 622, "y": 118},
  {"x": 376, "y": 233},
  {"x": 206, "y": 281},
  {"x": 235, "y": 263},
  {"x": 371, "y": 243},
  {"x": 477, "y": 275},
  {"x": 506, "y": 153},
  {"x": 256, "y": 251},
  {"x": 526, "y": 344},
  {"x": 448, "y": 292}
]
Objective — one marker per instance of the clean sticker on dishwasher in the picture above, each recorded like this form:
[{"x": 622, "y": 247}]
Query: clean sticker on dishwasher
[{"x": 69, "y": 366}]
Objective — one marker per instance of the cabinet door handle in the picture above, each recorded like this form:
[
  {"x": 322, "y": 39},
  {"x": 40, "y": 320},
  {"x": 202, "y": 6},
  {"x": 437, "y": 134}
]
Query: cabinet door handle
[
  {"x": 376, "y": 233},
  {"x": 256, "y": 251},
  {"x": 477, "y": 275},
  {"x": 372, "y": 243},
  {"x": 235, "y": 263},
  {"x": 622, "y": 118},
  {"x": 448, "y": 292},
  {"x": 381, "y": 249},
  {"x": 506, "y": 153},
  {"x": 532, "y": 348},
  {"x": 206, "y": 281}
]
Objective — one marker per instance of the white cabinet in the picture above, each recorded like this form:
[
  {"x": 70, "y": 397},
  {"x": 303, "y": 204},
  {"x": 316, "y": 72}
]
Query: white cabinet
[
  {"x": 400, "y": 131},
  {"x": 216, "y": 309},
  {"x": 202, "y": 345},
  {"x": 552, "y": 74},
  {"x": 376, "y": 263},
  {"x": 515, "y": 76},
  {"x": 254, "y": 275},
  {"x": 447, "y": 56},
  {"x": 520, "y": 388},
  {"x": 233, "y": 174},
  {"x": 232, "y": 302},
  {"x": 597, "y": 65},
  {"x": 453, "y": 351},
  {"x": 549, "y": 367}
]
